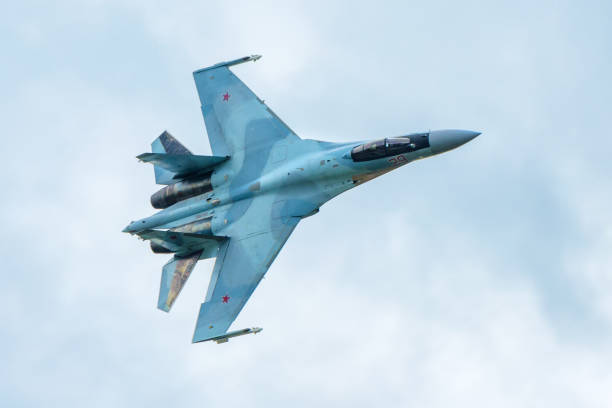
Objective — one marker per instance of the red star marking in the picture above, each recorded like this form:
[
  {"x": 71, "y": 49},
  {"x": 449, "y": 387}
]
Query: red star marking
[
  {"x": 226, "y": 96},
  {"x": 225, "y": 299}
]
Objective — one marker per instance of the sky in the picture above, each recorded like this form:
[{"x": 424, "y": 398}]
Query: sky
[{"x": 481, "y": 277}]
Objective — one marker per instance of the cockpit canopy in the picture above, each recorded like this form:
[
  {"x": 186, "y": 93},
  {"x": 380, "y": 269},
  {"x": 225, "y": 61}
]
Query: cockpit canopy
[{"x": 390, "y": 146}]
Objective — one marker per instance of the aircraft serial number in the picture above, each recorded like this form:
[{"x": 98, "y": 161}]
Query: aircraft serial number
[{"x": 397, "y": 159}]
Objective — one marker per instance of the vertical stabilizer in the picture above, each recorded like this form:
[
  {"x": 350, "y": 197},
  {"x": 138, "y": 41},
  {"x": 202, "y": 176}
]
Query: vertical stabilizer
[
  {"x": 167, "y": 144},
  {"x": 174, "y": 276}
]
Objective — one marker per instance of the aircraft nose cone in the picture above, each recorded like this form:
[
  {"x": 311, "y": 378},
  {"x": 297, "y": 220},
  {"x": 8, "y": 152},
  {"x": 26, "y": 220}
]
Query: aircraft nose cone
[
  {"x": 130, "y": 228},
  {"x": 448, "y": 139}
]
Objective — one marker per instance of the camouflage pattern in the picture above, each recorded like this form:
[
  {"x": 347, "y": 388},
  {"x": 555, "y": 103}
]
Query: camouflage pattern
[
  {"x": 174, "y": 276},
  {"x": 271, "y": 181}
]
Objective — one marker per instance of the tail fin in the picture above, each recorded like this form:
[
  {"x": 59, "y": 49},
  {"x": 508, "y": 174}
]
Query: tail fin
[
  {"x": 166, "y": 143},
  {"x": 172, "y": 161},
  {"x": 174, "y": 276}
]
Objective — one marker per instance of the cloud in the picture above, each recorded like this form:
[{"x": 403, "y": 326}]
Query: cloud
[{"x": 476, "y": 278}]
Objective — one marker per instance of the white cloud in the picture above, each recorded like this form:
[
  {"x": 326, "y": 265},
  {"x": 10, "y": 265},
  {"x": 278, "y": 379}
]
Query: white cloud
[{"x": 476, "y": 278}]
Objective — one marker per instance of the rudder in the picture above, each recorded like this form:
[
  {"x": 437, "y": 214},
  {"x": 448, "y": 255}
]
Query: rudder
[{"x": 167, "y": 144}]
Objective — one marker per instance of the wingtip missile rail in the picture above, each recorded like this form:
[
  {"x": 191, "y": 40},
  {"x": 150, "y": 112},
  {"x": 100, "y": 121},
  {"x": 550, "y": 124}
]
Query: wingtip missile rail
[
  {"x": 225, "y": 337},
  {"x": 242, "y": 60}
]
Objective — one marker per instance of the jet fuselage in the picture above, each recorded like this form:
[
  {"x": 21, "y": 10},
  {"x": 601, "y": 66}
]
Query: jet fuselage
[{"x": 311, "y": 172}]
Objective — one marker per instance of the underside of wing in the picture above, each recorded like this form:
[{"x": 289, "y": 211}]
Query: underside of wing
[
  {"x": 240, "y": 266},
  {"x": 235, "y": 118}
]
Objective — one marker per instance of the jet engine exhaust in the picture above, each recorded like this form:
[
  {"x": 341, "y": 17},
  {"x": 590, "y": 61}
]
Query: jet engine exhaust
[
  {"x": 158, "y": 249},
  {"x": 180, "y": 191}
]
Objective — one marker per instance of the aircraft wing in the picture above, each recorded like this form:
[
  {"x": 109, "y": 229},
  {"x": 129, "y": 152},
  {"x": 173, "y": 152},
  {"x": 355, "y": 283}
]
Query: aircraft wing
[
  {"x": 241, "y": 264},
  {"x": 236, "y": 119}
]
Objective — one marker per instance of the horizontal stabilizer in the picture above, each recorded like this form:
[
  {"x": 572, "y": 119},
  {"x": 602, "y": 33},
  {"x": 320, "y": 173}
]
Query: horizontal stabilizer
[
  {"x": 182, "y": 242},
  {"x": 174, "y": 276},
  {"x": 182, "y": 165}
]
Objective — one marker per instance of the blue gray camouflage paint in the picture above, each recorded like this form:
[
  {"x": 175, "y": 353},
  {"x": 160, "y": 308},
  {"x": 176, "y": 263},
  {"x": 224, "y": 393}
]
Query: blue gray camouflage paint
[{"x": 242, "y": 204}]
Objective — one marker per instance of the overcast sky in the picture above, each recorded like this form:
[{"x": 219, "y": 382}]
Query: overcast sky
[{"x": 477, "y": 278}]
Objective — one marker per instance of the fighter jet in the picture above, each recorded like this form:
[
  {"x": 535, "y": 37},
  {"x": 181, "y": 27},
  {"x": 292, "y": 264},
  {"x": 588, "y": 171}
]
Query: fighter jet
[{"x": 241, "y": 204}]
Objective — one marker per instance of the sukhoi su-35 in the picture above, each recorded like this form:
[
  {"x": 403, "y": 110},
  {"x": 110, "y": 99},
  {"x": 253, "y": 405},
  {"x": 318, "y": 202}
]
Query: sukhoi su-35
[{"x": 241, "y": 204}]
